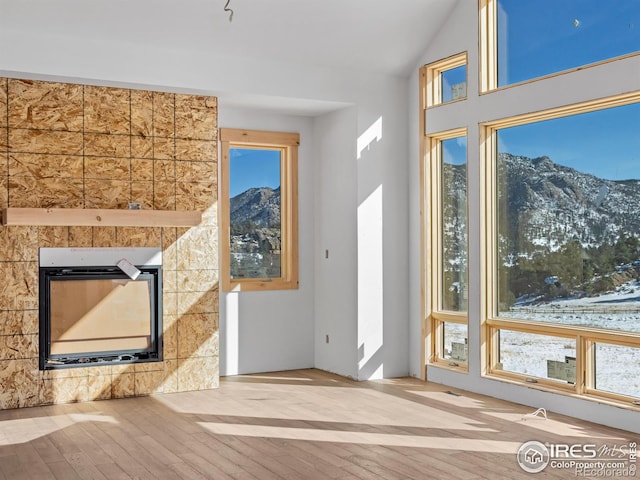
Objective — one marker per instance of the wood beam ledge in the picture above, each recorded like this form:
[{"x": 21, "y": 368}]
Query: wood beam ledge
[{"x": 100, "y": 217}]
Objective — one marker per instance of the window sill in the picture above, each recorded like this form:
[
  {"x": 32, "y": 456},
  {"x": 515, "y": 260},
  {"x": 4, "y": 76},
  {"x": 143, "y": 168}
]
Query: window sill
[
  {"x": 567, "y": 391},
  {"x": 458, "y": 367}
]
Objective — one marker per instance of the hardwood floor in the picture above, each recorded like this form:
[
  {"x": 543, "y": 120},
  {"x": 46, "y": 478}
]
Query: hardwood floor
[{"x": 303, "y": 424}]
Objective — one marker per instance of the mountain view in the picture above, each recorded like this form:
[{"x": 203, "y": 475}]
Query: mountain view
[
  {"x": 255, "y": 233},
  {"x": 561, "y": 232},
  {"x": 560, "y": 204}
]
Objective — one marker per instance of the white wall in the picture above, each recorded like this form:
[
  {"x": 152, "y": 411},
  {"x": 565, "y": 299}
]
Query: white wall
[
  {"x": 362, "y": 219},
  {"x": 271, "y": 331},
  {"x": 382, "y": 224},
  {"x": 359, "y": 216},
  {"x": 460, "y": 33},
  {"x": 336, "y": 308}
]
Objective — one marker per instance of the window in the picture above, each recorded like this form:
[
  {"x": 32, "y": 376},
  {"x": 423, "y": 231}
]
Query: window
[
  {"x": 259, "y": 212},
  {"x": 555, "y": 362},
  {"x": 563, "y": 237},
  {"x": 448, "y": 172},
  {"x": 522, "y": 40},
  {"x": 447, "y": 80},
  {"x": 609, "y": 377}
]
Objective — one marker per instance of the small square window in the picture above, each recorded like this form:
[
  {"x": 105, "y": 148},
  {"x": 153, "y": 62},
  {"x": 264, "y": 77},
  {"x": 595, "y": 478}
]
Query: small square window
[{"x": 447, "y": 80}]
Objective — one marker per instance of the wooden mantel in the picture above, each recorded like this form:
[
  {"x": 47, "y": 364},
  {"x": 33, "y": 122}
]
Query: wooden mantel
[{"x": 100, "y": 217}]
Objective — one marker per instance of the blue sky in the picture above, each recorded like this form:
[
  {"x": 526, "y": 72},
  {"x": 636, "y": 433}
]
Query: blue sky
[
  {"x": 450, "y": 78},
  {"x": 558, "y": 35},
  {"x": 454, "y": 151},
  {"x": 604, "y": 143},
  {"x": 253, "y": 168}
]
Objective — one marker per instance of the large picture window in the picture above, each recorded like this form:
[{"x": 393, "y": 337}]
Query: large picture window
[
  {"x": 564, "y": 245},
  {"x": 447, "y": 157},
  {"x": 259, "y": 210},
  {"x": 523, "y": 40},
  {"x": 557, "y": 233}
]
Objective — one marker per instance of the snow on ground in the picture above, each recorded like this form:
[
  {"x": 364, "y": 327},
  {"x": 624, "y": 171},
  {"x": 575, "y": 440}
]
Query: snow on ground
[
  {"x": 616, "y": 366},
  {"x": 617, "y": 310}
]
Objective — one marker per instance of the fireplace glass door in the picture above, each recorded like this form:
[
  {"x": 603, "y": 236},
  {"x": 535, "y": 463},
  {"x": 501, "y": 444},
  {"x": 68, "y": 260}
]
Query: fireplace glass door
[{"x": 98, "y": 315}]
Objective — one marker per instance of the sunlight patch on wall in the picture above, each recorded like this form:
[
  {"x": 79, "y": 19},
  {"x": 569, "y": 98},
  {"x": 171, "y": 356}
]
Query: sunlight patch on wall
[
  {"x": 231, "y": 340},
  {"x": 374, "y": 132},
  {"x": 370, "y": 286}
]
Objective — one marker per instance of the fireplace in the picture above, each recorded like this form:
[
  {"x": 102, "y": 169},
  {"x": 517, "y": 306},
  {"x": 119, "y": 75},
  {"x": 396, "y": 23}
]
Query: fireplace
[{"x": 100, "y": 306}]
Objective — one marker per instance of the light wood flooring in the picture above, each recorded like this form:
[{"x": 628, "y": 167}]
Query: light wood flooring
[{"x": 303, "y": 424}]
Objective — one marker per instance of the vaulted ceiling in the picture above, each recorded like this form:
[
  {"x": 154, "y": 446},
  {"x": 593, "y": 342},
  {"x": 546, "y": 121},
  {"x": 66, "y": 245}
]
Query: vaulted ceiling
[{"x": 385, "y": 36}]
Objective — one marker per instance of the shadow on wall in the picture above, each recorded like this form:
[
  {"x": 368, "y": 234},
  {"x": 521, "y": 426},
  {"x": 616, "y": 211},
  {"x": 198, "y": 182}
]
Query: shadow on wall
[{"x": 372, "y": 365}]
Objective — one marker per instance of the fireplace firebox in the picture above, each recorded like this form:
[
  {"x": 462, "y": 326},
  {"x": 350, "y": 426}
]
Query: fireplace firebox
[{"x": 100, "y": 306}]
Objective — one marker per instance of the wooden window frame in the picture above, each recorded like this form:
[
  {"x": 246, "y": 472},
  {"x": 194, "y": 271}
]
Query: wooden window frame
[
  {"x": 488, "y": 42},
  {"x": 433, "y": 72},
  {"x": 432, "y": 227},
  {"x": 288, "y": 144},
  {"x": 585, "y": 338}
]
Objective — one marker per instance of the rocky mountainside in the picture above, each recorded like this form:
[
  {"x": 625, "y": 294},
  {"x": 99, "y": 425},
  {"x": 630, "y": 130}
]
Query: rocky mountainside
[
  {"x": 560, "y": 231},
  {"x": 258, "y": 206},
  {"x": 256, "y": 233},
  {"x": 550, "y": 205},
  {"x": 547, "y": 205}
]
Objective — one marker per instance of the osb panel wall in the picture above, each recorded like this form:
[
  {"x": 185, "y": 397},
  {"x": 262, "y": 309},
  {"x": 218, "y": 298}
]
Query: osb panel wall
[{"x": 75, "y": 146}]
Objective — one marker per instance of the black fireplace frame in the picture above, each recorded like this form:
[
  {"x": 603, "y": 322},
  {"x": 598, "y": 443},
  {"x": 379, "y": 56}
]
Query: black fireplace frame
[{"x": 47, "y": 361}]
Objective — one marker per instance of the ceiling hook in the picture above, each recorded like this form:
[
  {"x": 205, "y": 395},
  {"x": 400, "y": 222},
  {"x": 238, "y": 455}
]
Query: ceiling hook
[{"x": 227, "y": 9}]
